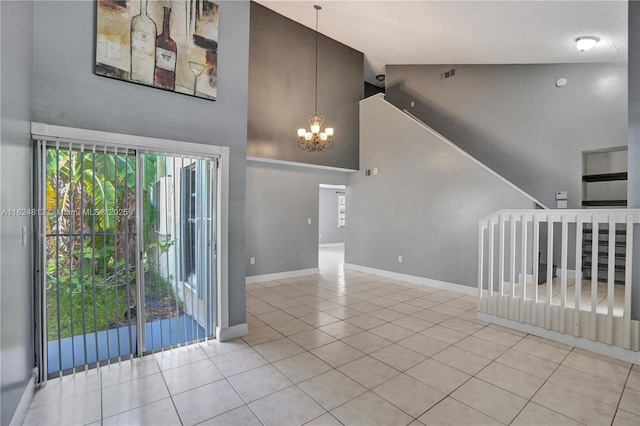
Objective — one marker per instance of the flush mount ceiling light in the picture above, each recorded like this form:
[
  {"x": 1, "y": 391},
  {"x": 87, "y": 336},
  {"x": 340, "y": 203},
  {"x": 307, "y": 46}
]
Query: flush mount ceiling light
[
  {"x": 316, "y": 140},
  {"x": 585, "y": 43}
]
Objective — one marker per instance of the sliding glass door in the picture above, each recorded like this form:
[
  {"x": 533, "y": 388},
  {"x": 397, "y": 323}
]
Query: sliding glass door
[
  {"x": 179, "y": 249},
  {"x": 127, "y": 252}
]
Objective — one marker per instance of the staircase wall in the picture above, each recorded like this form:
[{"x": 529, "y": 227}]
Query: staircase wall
[
  {"x": 425, "y": 202},
  {"x": 514, "y": 119}
]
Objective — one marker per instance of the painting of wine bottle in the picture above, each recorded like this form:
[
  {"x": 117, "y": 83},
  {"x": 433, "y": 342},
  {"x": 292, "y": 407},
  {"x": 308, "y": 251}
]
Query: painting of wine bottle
[
  {"x": 170, "y": 44},
  {"x": 143, "y": 46},
  {"x": 166, "y": 54}
]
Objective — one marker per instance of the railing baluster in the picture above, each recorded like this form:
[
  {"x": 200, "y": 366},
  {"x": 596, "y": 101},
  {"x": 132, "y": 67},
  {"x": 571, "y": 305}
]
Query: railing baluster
[
  {"x": 512, "y": 263},
  {"x": 595, "y": 230},
  {"x": 491, "y": 249},
  {"x": 611, "y": 262},
  {"x": 578, "y": 283},
  {"x": 607, "y": 321},
  {"x": 523, "y": 266},
  {"x": 563, "y": 274},
  {"x": 547, "y": 319},
  {"x": 501, "y": 271},
  {"x": 627, "y": 283},
  {"x": 481, "y": 262},
  {"x": 536, "y": 266}
]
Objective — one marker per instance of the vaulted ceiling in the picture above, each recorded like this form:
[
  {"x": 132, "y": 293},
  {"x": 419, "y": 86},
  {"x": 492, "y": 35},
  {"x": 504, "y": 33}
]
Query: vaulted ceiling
[{"x": 397, "y": 32}]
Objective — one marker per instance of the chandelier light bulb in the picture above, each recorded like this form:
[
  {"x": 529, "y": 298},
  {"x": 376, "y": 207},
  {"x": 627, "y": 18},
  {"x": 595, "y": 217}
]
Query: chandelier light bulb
[{"x": 301, "y": 133}]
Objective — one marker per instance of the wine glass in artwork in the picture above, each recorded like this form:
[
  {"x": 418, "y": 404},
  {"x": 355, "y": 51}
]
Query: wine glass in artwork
[{"x": 197, "y": 69}]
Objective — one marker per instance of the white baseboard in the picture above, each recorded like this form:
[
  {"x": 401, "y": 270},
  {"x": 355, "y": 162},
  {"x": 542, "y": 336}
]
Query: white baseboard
[
  {"x": 233, "y": 332},
  {"x": 529, "y": 278},
  {"x": 281, "y": 275},
  {"x": 332, "y": 245},
  {"x": 25, "y": 400},
  {"x": 458, "y": 288},
  {"x": 571, "y": 273},
  {"x": 568, "y": 339}
]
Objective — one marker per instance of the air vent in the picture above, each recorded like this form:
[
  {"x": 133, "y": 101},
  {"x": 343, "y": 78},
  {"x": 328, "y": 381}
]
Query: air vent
[{"x": 448, "y": 74}]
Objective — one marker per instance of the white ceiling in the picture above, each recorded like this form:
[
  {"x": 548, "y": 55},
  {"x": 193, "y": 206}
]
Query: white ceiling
[{"x": 397, "y": 32}]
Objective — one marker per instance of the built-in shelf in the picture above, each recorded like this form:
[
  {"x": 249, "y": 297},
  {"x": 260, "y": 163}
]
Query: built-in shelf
[
  {"x": 602, "y": 255},
  {"x": 605, "y": 177},
  {"x": 602, "y": 266},
  {"x": 600, "y": 252},
  {"x": 605, "y": 267},
  {"x": 604, "y": 185},
  {"x": 605, "y": 231},
  {"x": 604, "y": 203}
]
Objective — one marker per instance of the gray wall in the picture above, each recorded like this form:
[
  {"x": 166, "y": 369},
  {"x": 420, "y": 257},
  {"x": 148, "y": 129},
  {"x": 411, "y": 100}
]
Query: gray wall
[
  {"x": 280, "y": 199},
  {"x": 16, "y": 271},
  {"x": 281, "y": 90},
  {"x": 425, "y": 203},
  {"x": 514, "y": 119},
  {"x": 328, "y": 231},
  {"x": 66, "y": 92}
]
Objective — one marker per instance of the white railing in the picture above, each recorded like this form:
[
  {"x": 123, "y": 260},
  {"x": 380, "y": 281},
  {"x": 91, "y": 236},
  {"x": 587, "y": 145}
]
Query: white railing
[{"x": 518, "y": 254}]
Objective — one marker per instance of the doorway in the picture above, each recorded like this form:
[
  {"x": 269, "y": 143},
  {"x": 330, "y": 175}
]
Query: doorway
[
  {"x": 332, "y": 221},
  {"x": 128, "y": 260}
]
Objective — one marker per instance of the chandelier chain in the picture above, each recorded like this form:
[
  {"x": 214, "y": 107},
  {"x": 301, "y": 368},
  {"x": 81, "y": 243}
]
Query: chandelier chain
[
  {"x": 316, "y": 106},
  {"x": 316, "y": 140}
]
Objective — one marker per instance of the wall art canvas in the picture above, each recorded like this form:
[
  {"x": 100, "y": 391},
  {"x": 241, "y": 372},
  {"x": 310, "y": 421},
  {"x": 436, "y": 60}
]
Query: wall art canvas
[{"x": 168, "y": 44}]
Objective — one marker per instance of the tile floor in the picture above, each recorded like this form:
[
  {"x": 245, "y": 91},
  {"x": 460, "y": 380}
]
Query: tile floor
[{"x": 343, "y": 347}]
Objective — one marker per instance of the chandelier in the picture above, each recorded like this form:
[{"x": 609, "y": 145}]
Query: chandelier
[{"x": 316, "y": 140}]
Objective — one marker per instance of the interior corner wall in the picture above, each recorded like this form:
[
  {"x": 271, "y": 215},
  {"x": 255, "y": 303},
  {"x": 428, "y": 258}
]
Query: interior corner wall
[
  {"x": 16, "y": 270},
  {"x": 515, "y": 120},
  {"x": 280, "y": 200},
  {"x": 281, "y": 90},
  {"x": 424, "y": 205},
  {"x": 66, "y": 92}
]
